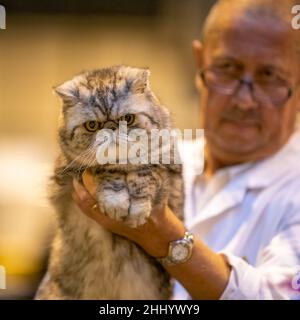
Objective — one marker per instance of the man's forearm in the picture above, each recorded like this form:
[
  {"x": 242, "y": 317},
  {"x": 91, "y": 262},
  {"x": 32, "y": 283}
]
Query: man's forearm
[{"x": 205, "y": 275}]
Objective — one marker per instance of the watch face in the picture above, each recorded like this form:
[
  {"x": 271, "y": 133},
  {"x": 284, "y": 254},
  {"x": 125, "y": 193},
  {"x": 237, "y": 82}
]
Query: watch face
[{"x": 179, "y": 252}]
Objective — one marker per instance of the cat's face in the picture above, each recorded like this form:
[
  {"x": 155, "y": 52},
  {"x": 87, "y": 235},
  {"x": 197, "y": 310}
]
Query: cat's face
[{"x": 100, "y": 99}]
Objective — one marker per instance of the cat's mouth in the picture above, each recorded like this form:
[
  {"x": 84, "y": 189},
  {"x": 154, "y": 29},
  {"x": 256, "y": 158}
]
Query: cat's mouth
[
  {"x": 113, "y": 147},
  {"x": 118, "y": 153}
]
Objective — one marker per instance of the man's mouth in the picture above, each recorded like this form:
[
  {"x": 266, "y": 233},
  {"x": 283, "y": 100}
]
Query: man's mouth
[{"x": 242, "y": 122}]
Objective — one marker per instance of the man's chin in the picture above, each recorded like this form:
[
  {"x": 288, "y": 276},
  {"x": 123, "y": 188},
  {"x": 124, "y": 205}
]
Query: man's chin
[
  {"x": 238, "y": 149},
  {"x": 235, "y": 149}
]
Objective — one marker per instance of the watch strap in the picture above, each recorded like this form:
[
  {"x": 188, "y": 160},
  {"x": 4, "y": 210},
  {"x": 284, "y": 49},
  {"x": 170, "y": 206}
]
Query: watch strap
[{"x": 188, "y": 240}]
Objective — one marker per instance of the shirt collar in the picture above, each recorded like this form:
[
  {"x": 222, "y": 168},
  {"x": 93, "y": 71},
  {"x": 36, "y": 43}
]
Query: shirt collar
[
  {"x": 262, "y": 173},
  {"x": 267, "y": 171}
]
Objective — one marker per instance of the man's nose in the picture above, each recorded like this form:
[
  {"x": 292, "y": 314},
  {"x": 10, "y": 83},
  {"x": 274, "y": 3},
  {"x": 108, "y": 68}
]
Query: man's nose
[{"x": 244, "y": 97}]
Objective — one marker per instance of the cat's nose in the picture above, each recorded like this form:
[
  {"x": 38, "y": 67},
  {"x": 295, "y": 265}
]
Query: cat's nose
[
  {"x": 112, "y": 128},
  {"x": 111, "y": 125}
]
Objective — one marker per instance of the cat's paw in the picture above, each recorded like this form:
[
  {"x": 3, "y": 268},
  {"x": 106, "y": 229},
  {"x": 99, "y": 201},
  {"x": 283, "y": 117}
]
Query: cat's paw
[
  {"x": 133, "y": 213},
  {"x": 139, "y": 211},
  {"x": 116, "y": 206}
]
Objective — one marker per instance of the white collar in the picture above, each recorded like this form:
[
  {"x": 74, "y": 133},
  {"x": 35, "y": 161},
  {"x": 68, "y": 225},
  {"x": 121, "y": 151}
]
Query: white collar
[
  {"x": 284, "y": 164},
  {"x": 287, "y": 159},
  {"x": 262, "y": 173}
]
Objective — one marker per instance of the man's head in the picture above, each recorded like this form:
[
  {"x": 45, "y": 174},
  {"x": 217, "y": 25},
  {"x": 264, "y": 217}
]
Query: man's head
[{"x": 252, "y": 41}]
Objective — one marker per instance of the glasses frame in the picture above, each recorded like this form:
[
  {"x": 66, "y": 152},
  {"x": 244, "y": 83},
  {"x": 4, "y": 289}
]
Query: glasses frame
[{"x": 249, "y": 83}]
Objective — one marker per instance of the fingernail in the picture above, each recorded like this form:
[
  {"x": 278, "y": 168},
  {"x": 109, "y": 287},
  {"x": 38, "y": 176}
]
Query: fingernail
[{"x": 89, "y": 182}]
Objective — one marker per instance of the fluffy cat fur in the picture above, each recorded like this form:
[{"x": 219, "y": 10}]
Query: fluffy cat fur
[{"x": 87, "y": 261}]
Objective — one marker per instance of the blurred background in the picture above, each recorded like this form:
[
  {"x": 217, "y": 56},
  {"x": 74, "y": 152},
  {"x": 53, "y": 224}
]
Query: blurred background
[{"x": 46, "y": 43}]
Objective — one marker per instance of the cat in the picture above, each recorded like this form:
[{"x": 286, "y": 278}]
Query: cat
[{"x": 87, "y": 261}]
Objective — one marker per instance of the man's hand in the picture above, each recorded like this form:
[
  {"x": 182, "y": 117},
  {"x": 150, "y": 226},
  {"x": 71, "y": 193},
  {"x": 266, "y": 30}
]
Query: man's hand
[{"x": 154, "y": 236}]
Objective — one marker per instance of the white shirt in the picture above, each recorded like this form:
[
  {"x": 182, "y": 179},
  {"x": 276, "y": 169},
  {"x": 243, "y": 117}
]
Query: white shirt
[{"x": 251, "y": 213}]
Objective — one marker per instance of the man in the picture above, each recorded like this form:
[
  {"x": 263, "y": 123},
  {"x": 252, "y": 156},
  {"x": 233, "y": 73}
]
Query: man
[{"x": 244, "y": 211}]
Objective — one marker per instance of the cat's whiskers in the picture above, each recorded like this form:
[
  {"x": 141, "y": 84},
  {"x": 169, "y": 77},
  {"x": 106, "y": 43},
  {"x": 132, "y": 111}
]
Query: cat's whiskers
[
  {"x": 83, "y": 154},
  {"x": 88, "y": 160}
]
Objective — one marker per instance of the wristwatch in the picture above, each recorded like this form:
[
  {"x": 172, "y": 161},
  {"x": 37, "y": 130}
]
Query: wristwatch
[{"x": 179, "y": 251}]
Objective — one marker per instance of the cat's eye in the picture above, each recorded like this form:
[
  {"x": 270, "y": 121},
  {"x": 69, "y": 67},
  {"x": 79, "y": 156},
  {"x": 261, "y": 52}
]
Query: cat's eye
[
  {"x": 92, "y": 126},
  {"x": 129, "y": 118}
]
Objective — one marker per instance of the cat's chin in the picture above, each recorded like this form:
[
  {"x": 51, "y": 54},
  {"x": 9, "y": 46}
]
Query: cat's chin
[
  {"x": 86, "y": 164},
  {"x": 122, "y": 167}
]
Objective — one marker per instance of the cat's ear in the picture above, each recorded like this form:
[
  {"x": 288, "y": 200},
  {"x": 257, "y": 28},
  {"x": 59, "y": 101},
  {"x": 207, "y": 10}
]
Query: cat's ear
[
  {"x": 68, "y": 91},
  {"x": 141, "y": 83},
  {"x": 136, "y": 79}
]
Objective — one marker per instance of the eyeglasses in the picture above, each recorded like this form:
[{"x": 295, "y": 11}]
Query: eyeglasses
[{"x": 276, "y": 91}]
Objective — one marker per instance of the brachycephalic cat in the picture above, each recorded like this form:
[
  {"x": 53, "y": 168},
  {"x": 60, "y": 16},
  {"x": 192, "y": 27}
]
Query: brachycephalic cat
[{"x": 87, "y": 261}]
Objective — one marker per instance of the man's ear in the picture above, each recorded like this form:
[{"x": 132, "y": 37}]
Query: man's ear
[
  {"x": 199, "y": 61},
  {"x": 198, "y": 54}
]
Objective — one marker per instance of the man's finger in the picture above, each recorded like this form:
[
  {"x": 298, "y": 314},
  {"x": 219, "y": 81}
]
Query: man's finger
[
  {"x": 83, "y": 195},
  {"x": 87, "y": 204},
  {"x": 89, "y": 183}
]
